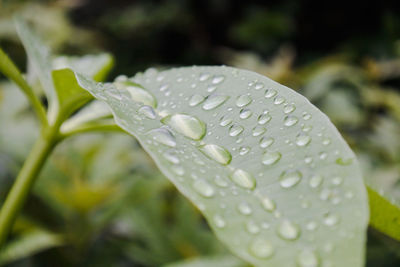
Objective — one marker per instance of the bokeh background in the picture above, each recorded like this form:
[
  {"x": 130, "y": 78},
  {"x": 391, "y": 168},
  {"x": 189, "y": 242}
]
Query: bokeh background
[{"x": 100, "y": 200}]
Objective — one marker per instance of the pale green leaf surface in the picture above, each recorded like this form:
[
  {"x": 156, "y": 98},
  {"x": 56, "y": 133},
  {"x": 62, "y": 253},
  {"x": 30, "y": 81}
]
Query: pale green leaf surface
[
  {"x": 94, "y": 66},
  {"x": 40, "y": 59},
  {"x": 298, "y": 200},
  {"x": 211, "y": 261},
  {"x": 28, "y": 245}
]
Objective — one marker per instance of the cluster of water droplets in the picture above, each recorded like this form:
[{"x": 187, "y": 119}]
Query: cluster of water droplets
[{"x": 254, "y": 134}]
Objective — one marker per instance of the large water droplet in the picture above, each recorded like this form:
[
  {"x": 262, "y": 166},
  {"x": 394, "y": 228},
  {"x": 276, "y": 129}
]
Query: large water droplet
[
  {"x": 243, "y": 179},
  {"x": 195, "y": 100},
  {"x": 224, "y": 121},
  {"x": 217, "y": 153},
  {"x": 315, "y": 181},
  {"x": 245, "y": 113},
  {"x": 270, "y": 158},
  {"x": 289, "y": 108},
  {"x": 147, "y": 111},
  {"x": 163, "y": 136},
  {"x": 290, "y": 121},
  {"x": 139, "y": 94},
  {"x": 266, "y": 142},
  {"x": 303, "y": 140},
  {"x": 235, "y": 130},
  {"x": 289, "y": 179},
  {"x": 243, "y": 100},
  {"x": 267, "y": 203},
  {"x": 264, "y": 118},
  {"x": 279, "y": 100},
  {"x": 258, "y": 130},
  {"x": 187, "y": 125},
  {"x": 219, "y": 221},
  {"x": 261, "y": 249},
  {"x": 307, "y": 258},
  {"x": 204, "y": 188},
  {"x": 244, "y": 208},
  {"x": 270, "y": 93},
  {"x": 214, "y": 101},
  {"x": 288, "y": 230},
  {"x": 217, "y": 79}
]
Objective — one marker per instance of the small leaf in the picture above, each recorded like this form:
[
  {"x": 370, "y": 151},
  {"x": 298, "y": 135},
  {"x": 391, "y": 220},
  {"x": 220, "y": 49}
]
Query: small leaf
[
  {"x": 29, "y": 244},
  {"x": 280, "y": 198},
  {"x": 40, "y": 58},
  {"x": 70, "y": 95}
]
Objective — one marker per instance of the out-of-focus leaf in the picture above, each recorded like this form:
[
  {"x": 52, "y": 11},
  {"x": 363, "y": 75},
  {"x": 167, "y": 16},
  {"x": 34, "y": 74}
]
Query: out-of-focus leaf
[
  {"x": 213, "y": 261},
  {"x": 266, "y": 168},
  {"x": 28, "y": 244}
]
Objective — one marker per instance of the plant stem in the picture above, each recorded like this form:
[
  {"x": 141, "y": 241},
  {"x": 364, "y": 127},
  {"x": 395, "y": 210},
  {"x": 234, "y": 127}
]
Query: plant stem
[{"x": 25, "y": 179}]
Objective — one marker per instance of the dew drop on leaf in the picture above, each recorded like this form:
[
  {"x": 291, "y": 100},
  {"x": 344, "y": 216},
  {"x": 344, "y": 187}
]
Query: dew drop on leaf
[
  {"x": 270, "y": 93},
  {"x": 307, "y": 258},
  {"x": 204, "y": 188},
  {"x": 196, "y": 100},
  {"x": 219, "y": 221},
  {"x": 243, "y": 100},
  {"x": 303, "y": 140},
  {"x": 315, "y": 181},
  {"x": 243, "y": 179},
  {"x": 187, "y": 125},
  {"x": 245, "y": 114},
  {"x": 235, "y": 130},
  {"x": 214, "y": 101},
  {"x": 217, "y": 153},
  {"x": 288, "y": 230},
  {"x": 264, "y": 118},
  {"x": 141, "y": 95},
  {"x": 270, "y": 158},
  {"x": 290, "y": 121},
  {"x": 289, "y": 179},
  {"x": 261, "y": 249},
  {"x": 163, "y": 136},
  {"x": 148, "y": 112},
  {"x": 266, "y": 142}
]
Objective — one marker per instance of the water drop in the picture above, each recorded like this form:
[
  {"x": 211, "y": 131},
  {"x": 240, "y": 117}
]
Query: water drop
[
  {"x": 195, "y": 100},
  {"x": 270, "y": 158},
  {"x": 307, "y": 258},
  {"x": 344, "y": 162},
  {"x": 259, "y": 86},
  {"x": 279, "y": 100},
  {"x": 315, "y": 181},
  {"x": 217, "y": 79},
  {"x": 214, "y": 101},
  {"x": 178, "y": 170},
  {"x": 171, "y": 157},
  {"x": 266, "y": 142},
  {"x": 224, "y": 121},
  {"x": 235, "y": 130},
  {"x": 289, "y": 108},
  {"x": 163, "y": 136},
  {"x": 219, "y": 221},
  {"x": 307, "y": 128},
  {"x": 187, "y": 125},
  {"x": 290, "y": 121},
  {"x": 326, "y": 141},
  {"x": 204, "y": 188},
  {"x": 252, "y": 227},
  {"x": 306, "y": 116},
  {"x": 243, "y": 100},
  {"x": 244, "y": 150},
  {"x": 267, "y": 203},
  {"x": 289, "y": 179},
  {"x": 258, "y": 130},
  {"x": 147, "y": 111},
  {"x": 204, "y": 76},
  {"x": 217, "y": 153},
  {"x": 331, "y": 219},
  {"x": 261, "y": 249},
  {"x": 141, "y": 95},
  {"x": 303, "y": 140},
  {"x": 270, "y": 93},
  {"x": 244, "y": 208},
  {"x": 245, "y": 114},
  {"x": 243, "y": 179},
  {"x": 337, "y": 180},
  {"x": 264, "y": 118},
  {"x": 288, "y": 230}
]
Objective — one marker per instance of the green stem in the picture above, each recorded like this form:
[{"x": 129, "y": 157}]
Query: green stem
[
  {"x": 8, "y": 68},
  {"x": 24, "y": 182}
]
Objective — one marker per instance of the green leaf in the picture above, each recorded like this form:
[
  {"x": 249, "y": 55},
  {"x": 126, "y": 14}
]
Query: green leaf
[
  {"x": 29, "y": 244},
  {"x": 214, "y": 261},
  {"x": 70, "y": 95},
  {"x": 40, "y": 59},
  {"x": 385, "y": 216},
  {"x": 95, "y": 66},
  {"x": 273, "y": 177}
]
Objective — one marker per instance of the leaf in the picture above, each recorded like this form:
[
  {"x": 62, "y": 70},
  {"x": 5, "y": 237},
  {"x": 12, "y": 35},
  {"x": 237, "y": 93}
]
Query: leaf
[
  {"x": 70, "y": 95},
  {"x": 40, "y": 58},
  {"x": 94, "y": 66},
  {"x": 214, "y": 261},
  {"x": 29, "y": 244},
  {"x": 273, "y": 177}
]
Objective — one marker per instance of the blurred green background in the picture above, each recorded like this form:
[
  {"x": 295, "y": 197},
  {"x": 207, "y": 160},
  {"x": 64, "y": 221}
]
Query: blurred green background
[{"x": 100, "y": 200}]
